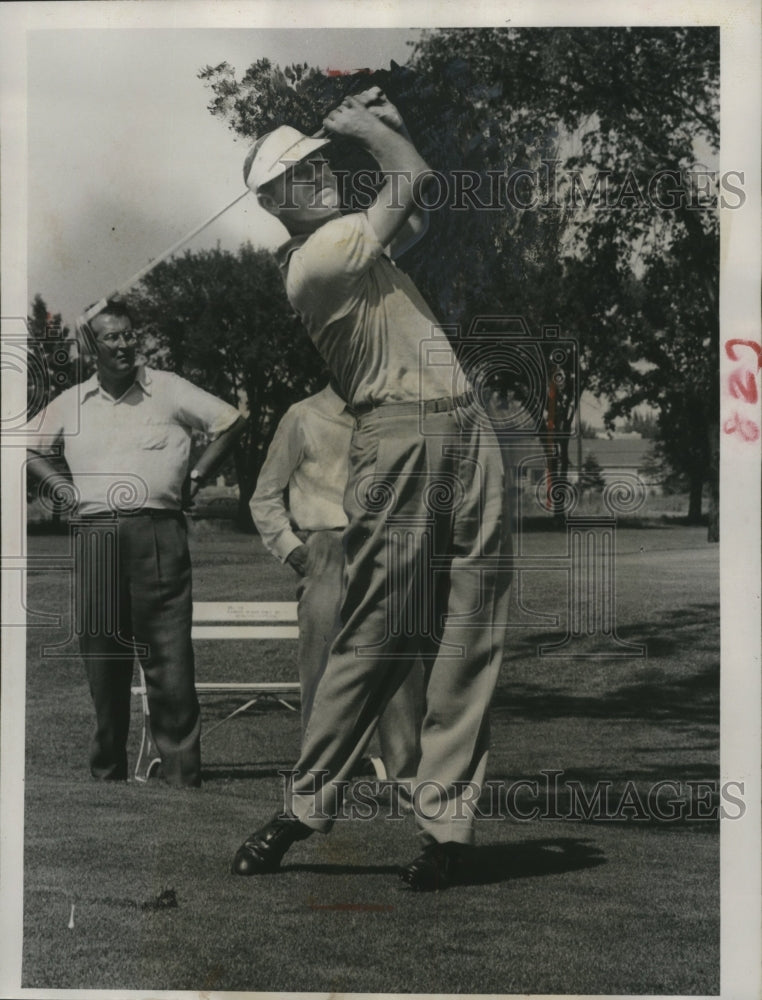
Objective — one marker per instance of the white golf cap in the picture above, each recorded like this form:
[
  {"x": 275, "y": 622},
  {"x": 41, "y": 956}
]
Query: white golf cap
[{"x": 275, "y": 152}]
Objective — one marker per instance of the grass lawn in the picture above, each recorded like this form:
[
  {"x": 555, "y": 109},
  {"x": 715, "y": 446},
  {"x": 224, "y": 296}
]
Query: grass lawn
[{"x": 555, "y": 906}]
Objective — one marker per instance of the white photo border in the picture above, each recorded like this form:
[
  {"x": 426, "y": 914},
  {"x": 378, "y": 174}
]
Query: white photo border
[{"x": 741, "y": 267}]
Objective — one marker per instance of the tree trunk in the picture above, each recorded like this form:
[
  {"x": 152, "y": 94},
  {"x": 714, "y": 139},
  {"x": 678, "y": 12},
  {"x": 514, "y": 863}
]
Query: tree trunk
[
  {"x": 561, "y": 477},
  {"x": 245, "y": 479},
  {"x": 713, "y": 524},
  {"x": 713, "y": 530},
  {"x": 694, "y": 499},
  {"x": 243, "y": 518}
]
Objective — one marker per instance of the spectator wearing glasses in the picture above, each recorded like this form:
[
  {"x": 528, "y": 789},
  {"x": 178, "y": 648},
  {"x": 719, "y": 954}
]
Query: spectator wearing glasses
[{"x": 125, "y": 435}]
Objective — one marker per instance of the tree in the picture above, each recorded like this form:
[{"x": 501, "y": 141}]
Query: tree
[
  {"x": 658, "y": 471},
  {"x": 641, "y": 269},
  {"x": 644, "y": 424},
  {"x": 508, "y": 277},
  {"x": 591, "y": 477},
  {"x": 619, "y": 246},
  {"x": 51, "y": 364},
  {"x": 222, "y": 320}
]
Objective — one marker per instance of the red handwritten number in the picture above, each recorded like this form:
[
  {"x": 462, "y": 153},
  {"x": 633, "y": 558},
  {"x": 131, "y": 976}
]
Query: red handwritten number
[
  {"x": 743, "y": 385},
  {"x": 730, "y": 349},
  {"x": 746, "y": 429}
]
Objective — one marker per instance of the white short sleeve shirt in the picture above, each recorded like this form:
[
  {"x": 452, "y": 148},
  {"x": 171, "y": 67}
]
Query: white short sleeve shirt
[{"x": 133, "y": 451}]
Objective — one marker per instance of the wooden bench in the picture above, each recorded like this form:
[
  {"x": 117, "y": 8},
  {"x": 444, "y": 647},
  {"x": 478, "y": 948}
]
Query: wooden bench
[{"x": 236, "y": 620}]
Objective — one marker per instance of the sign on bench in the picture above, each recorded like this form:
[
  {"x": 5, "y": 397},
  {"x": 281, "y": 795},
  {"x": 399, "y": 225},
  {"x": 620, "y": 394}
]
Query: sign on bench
[{"x": 223, "y": 620}]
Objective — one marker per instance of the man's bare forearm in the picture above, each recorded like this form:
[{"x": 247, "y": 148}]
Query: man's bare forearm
[
  {"x": 390, "y": 147},
  {"x": 215, "y": 454},
  {"x": 395, "y": 153},
  {"x": 397, "y": 157},
  {"x": 417, "y": 223}
]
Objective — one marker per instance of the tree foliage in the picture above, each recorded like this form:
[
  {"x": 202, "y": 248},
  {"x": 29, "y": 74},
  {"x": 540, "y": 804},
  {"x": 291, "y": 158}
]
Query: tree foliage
[
  {"x": 644, "y": 424},
  {"x": 52, "y": 365},
  {"x": 619, "y": 247},
  {"x": 640, "y": 280},
  {"x": 591, "y": 477}
]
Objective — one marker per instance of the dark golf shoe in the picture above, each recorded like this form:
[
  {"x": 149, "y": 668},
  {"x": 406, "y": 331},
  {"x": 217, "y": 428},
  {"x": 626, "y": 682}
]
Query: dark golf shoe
[
  {"x": 435, "y": 868},
  {"x": 262, "y": 850}
]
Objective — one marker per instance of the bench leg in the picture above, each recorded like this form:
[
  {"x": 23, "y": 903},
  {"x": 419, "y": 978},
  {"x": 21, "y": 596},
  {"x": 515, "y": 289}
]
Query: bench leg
[
  {"x": 284, "y": 703},
  {"x": 148, "y": 755},
  {"x": 241, "y": 708}
]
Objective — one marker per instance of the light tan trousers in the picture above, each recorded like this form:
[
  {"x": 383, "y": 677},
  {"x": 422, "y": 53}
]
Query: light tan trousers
[
  {"x": 320, "y": 594},
  {"x": 424, "y": 577}
]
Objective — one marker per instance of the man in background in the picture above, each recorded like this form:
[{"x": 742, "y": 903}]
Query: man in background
[
  {"x": 125, "y": 434},
  {"x": 309, "y": 458}
]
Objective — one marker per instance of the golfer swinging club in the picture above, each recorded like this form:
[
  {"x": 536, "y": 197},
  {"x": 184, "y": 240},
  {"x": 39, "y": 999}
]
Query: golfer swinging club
[{"x": 424, "y": 498}]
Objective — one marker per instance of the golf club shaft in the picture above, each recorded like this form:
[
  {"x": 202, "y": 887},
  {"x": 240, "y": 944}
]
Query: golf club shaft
[
  {"x": 139, "y": 275},
  {"x": 176, "y": 246},
  {"x": 320, "y": 134},
  {"x": 97, "y": 307}
]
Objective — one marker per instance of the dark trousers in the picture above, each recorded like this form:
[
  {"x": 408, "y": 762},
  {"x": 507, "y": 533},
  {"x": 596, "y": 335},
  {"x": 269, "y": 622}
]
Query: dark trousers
[{"x": 134, "y": 597}]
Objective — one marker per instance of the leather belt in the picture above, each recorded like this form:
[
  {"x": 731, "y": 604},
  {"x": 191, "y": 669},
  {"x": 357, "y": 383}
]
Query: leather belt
[
  {"x": 442, "y": 405},
  {"x": 114, "y": 515}
]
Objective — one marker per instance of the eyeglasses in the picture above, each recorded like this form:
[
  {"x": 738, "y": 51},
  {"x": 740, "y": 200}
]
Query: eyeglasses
[{"x": 126, "y": 336}]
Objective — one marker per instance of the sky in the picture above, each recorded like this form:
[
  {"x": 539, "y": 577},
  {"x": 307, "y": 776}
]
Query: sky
[{"x": 124, "y": 158}]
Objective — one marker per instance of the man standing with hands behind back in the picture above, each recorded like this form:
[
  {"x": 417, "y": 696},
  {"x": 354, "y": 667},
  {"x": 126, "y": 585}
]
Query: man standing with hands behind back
[
  {"x": 309, "y": 457},
  {"x": 424, "y": 543},
  {"x": 126, "y": 434}
]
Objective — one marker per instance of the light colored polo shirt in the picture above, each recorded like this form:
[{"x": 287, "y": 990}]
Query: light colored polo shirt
[
  {"x": 366, "y": 317},
  {"x": 133, "y": 451},
  {"x": 309, "y": 454}
]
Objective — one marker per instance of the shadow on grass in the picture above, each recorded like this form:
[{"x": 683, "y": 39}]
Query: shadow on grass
[
  {"x": 680, "y": 689},
  {"x": 546, "y": 522},
  {"x": 670, "y": 635},
  {"x": 655, "y": 697},
  {"x": 493, "y": 862},
  {"x": 334, "y": 869},
  {"x": 531, "y": 859}
]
